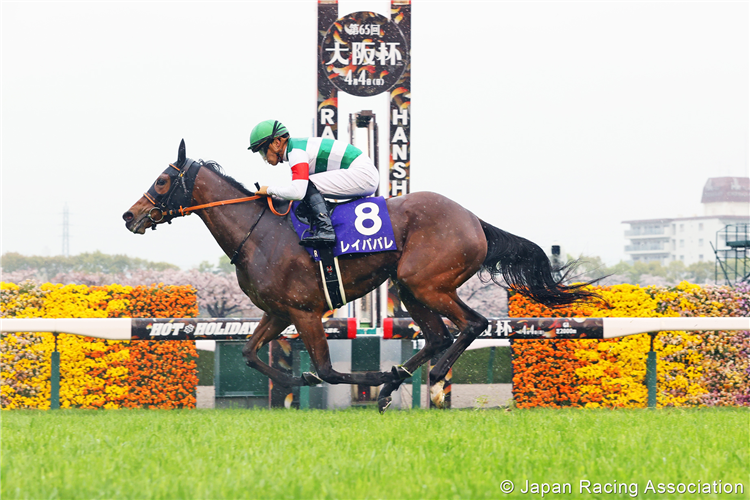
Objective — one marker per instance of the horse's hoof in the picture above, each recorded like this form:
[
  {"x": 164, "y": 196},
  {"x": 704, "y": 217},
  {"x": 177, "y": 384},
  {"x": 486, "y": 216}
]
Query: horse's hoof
[
  {"x": 400, "y": 372},
  {"x": 437, "y": 395},
  {"x": 384, "y": 403},
  {"x": 311, "y": 378}
]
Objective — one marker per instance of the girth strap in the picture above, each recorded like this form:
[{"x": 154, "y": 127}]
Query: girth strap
[{"x": 332, "y": 285}]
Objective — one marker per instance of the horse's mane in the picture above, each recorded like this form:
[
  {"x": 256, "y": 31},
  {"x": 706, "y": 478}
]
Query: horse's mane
[{"x": 217, "y": 169}]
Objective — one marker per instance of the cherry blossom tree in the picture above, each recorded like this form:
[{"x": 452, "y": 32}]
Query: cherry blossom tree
[
  {"x": 219, "y": 295},
  {"x": 485, "y": 297}
]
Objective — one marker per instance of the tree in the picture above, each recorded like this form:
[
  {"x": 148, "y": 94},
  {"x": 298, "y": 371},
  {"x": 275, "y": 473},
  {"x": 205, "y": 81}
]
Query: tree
[
  {"x": 205, "y": 267},
  {"x": 486, "y": 298},
  {"x": 588, "y": 267},
  {"x": 225, "y": 266},
  {"x": 621, "y": 268},
  {"x": 701, "y": 272},
  {"x": 676, "y": 271},
  {"x": 644, "y": 273},
  {"x": 96, "y": 262},
  {"x": 219, "y": 294}
]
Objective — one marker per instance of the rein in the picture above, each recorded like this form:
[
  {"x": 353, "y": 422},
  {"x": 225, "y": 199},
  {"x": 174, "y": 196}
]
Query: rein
[
  {"x": 161, "y": 210},
  {"x": 161, "y": 203},
  {"x": 183, "y": 211},
  {"x": 252, "y": 228}
]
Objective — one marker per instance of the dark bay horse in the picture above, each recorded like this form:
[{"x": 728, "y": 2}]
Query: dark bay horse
[{"x": 440, "y": 245}]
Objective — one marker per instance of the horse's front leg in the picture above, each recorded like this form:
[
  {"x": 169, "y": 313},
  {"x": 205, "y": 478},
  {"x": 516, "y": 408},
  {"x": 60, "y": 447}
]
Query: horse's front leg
[
  {"x": 310, "y": 328},
  {"x": 269, "y": 328}
]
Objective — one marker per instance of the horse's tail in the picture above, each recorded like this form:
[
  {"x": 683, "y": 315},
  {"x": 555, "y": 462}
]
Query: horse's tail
[{"x": 525, "y": 268}]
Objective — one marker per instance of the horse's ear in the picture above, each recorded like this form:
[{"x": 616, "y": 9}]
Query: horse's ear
[{"x": 181, "y": 153}]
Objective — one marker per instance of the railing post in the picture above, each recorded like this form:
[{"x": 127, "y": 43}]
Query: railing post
[
  {"x": 651, "y": 374},
  {"x": 490, "y": 365},
  {"x": 304, "y": 391},
  {"x": 416, "y": 381},
  {"x": 54, "y": 395}
]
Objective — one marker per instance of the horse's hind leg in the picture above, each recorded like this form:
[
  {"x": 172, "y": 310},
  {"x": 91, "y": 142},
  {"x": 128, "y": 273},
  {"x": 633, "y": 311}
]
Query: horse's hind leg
[
  {"x": 269, "y": 328},
  {"x": 471, "y": 324},
  {"x": 310, "y": 328},
  {"x": 437, "y": 337}
]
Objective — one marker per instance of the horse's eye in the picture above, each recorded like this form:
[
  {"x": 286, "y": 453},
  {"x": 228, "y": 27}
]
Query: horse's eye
[{"x": 161, "y": 182}]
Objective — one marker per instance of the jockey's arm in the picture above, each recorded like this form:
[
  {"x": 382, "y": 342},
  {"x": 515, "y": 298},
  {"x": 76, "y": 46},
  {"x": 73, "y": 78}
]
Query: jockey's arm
[
  {"x": 293, "y": 191},
  {"x": 298, "y": 187}
]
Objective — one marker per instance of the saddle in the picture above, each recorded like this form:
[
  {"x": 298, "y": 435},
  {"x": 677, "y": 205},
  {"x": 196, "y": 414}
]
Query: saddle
[
  {"x": 329, "y": 266},
  {"x": 362, "y": 225}
]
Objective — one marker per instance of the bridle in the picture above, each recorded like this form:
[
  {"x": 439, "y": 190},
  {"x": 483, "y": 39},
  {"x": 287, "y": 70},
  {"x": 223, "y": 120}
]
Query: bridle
[
  {"x": 168, "y": 205},
  {"x": 176, "y": 201}
]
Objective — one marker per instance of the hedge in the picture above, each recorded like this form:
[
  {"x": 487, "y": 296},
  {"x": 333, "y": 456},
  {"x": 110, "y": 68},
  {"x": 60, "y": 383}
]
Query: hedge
[
  {"x": 693, "y": 368},
  {"x": 96, "y": 373}
]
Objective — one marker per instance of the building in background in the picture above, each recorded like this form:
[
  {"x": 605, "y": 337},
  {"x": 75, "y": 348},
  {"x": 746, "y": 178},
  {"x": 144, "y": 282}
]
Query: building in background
[{"x": 726, "y": 202}]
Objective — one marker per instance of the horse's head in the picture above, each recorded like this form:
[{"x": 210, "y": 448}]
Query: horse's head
[{"x": 172, "y": 191}]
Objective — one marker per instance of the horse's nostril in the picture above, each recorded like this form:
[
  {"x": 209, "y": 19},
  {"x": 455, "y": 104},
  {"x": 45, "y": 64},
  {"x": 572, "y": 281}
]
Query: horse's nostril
[{"x": 127, "y": 216}]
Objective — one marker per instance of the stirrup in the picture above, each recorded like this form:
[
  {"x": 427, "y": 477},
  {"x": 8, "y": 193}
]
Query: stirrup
[
  {"x": 319, "y": 241},
  {"x": 323, "y": 236}
]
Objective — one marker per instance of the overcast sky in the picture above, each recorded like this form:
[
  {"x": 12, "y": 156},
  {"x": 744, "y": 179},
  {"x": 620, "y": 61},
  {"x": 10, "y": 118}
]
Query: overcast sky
[{"x": 553, "y": 120}]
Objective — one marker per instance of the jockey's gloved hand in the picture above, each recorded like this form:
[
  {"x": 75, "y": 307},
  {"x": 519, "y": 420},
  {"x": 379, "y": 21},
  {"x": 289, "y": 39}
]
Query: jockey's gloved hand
[{"x": 263, "y": 190}]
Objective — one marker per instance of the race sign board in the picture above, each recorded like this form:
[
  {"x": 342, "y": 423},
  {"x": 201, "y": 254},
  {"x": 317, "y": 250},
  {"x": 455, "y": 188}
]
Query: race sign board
[
  {"x": 224, "y": 328},
  {"x": 574, "y": 328},
  {"x": 511, "y": 328},
  {"x": 346, "y": 328},
  {"x": 364, "y": 54},
  {"x": 550, "y": 328}
]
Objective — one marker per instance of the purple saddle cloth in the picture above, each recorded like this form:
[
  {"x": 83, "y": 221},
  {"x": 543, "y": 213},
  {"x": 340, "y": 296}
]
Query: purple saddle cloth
[{"x": 362, "y": 226}]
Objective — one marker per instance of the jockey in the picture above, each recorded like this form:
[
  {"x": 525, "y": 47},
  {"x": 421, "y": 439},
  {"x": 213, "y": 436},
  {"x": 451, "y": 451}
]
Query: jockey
[{"x": 320, "y": 167}]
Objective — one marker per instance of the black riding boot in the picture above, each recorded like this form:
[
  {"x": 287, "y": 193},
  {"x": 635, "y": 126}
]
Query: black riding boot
[{"x": 322, "y": 233}]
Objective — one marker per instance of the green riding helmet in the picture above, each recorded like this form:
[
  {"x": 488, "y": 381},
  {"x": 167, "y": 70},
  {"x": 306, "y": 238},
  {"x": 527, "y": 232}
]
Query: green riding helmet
[{"x": 265, "y": 132}]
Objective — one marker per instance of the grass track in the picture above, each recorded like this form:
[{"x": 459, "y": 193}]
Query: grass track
[{"x": 360, "y": 454}]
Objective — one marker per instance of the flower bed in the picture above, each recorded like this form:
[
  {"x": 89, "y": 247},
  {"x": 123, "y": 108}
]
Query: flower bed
[
  {"x": 693, "y": 368},
  {"x": 96, "y": 373}
]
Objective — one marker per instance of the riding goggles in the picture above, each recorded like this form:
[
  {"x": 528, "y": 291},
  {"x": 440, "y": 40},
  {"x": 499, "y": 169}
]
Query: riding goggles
[{"x": 262, "y": 146}]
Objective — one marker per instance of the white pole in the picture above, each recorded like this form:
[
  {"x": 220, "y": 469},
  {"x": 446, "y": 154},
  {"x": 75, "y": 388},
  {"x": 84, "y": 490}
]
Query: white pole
[
  {"x": 102, "y": 328},
  {"x": 620, "y": 327}
]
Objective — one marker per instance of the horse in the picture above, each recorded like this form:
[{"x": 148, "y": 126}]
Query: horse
[{"x": 439, "y": 246}]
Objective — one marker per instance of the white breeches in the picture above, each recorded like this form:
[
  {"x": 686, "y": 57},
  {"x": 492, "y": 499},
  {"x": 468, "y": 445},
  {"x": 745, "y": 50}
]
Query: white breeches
[{"x": 360, "y": 179}]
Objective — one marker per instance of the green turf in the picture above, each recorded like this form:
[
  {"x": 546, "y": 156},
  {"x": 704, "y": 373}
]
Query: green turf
[{"x": 361, "y": 454}]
